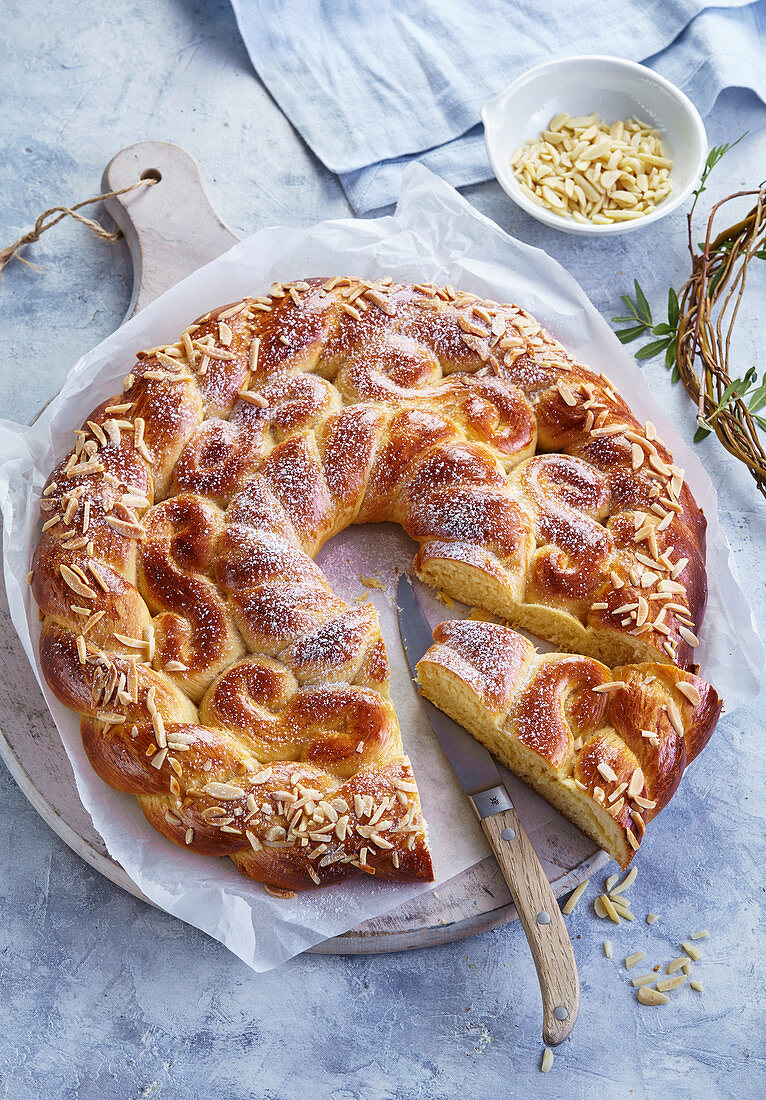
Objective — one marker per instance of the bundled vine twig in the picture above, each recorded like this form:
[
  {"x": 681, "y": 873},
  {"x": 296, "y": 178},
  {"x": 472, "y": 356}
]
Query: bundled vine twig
[
  {"x": 697, "y": 336},
  {"x": 709, "y": 303}
]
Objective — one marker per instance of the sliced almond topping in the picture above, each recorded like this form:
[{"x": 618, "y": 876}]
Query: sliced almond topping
[
  {"x": 636, "y": 784},
  {"x": 225, "y": 791},
  {"x": 607, "y": 772},
  {"x": 610, "y": 685},
  {"x": 617, "y": 792},
  {"x": 643, "y": 611},
  {"x": 678, "y": 568},
  {"x": 674, "y": 716},
  {"x": 691, "y": 692},
  {"x": 644, "y": 803},
  {"x": 159, "y": 759},
  {"x": 254, "y": 348},
  {"x": 252, "y": 397},
  {"x": 75, "y": 583},
  {"x": 131, "y": 643}
]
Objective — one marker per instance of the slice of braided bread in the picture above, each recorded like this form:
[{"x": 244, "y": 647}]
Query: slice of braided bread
[
  {"x": 218, "y": 677},
  {"x": 606, "y": 747}
]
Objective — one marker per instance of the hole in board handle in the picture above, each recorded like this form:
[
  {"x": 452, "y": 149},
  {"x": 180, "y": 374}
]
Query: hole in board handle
[{"x": 152, "y": 174}]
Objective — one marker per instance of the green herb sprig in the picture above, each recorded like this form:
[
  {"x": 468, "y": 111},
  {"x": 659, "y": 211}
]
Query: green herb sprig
[{"x": 641, "y": 322}]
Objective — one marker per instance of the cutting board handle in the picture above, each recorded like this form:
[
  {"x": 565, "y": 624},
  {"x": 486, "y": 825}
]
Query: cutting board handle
[{"x": 171, "y": 229}]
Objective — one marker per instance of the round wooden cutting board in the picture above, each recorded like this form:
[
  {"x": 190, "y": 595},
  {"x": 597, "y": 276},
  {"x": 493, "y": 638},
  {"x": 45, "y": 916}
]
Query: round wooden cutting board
[{"x": 171, "y": 230}]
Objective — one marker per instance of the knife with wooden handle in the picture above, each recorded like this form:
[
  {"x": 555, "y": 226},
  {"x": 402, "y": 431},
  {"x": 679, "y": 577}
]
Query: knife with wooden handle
[{"x": 529, "y": 886}]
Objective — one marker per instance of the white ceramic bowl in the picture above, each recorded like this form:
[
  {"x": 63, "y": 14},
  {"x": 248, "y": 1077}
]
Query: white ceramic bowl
[{"x": 614, "y": 89}]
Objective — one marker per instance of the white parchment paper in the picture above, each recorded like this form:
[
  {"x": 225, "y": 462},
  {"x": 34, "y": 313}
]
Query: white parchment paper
[{"x": 436, "y": 236}]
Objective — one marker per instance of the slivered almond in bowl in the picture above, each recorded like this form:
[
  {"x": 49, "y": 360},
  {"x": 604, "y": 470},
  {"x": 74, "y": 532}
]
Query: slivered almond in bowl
[{"x": 590, "y": 170}]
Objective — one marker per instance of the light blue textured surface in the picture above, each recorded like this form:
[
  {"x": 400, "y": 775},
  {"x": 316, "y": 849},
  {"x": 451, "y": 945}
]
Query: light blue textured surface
[{"x": 106, "y": 998}]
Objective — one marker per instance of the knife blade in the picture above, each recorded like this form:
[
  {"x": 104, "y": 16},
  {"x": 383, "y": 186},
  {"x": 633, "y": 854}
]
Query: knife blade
[
  {"x": 471, "y": 762},
  {"x": 530, "y": 889}
]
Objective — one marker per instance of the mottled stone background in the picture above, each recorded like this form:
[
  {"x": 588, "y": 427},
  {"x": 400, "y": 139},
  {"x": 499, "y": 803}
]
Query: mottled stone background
[{"x": 104, "y": 997}]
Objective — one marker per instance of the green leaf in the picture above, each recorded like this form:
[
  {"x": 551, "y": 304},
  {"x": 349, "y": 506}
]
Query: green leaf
[
  {"x": 641, "y": 302},
  {"x": 626, "y": 298},
  {"x": 675, "y": 374},
  {"x": 760, "y": 422},
  {"x": 625, "y": 335},
  {"x": 757, "y": 401},
  {"x": 713, "y": 281},
  {"x": 625, "y": 320},
  {"x": 673, "y": 309},
  {"x": 700, "y": 434},
  {"x": 726, "y": 397},
  {"x": 648, "y": 351},
  {"x": 670, "y": 356},
  {"x": 732, "y": 386},
  {"x": 663, "y": 330},
  {"x": 720, "y": 250}
]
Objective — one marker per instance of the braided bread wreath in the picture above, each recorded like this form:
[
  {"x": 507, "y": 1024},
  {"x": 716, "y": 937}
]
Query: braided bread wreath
[{"x": 220, "y": 680}]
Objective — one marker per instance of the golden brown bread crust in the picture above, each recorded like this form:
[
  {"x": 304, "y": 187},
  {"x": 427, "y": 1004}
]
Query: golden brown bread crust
[
  {"x": 185, "y": 619},
  {"x": 607, "y": 747}
]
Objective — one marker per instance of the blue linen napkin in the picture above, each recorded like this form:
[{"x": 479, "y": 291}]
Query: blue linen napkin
[{"x": 373, "y": 86}]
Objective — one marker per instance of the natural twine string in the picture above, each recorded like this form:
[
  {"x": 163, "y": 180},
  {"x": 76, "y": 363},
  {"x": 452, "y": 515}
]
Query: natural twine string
[{"x": 57, "y": 214}]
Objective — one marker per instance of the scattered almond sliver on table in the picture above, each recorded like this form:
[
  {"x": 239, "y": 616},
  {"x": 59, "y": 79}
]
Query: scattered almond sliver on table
[
  {"x": 591, "y": 171},
  {"x": 651, "y": 988}
]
